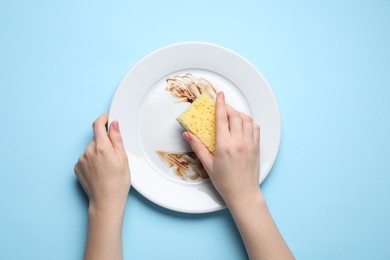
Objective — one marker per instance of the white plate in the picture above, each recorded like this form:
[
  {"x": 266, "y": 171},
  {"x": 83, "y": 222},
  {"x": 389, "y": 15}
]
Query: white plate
[{"x": 147, "y": 117}]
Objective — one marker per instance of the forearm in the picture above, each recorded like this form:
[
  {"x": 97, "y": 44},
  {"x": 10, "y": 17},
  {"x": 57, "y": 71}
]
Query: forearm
[
  {"x": 104, "y": 235},
  {"x": 261, "y": 237}
]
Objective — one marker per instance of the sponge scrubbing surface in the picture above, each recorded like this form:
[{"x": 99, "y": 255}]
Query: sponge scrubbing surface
[{"x": 199, "y": 119}]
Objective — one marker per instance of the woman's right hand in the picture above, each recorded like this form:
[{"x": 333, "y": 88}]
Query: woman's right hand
[
  {"x": 234, "y": 171},
  {"x": 234, "y": 168}
]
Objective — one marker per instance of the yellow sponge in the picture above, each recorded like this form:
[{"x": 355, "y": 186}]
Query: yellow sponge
[{"x": 199, "y": 119}]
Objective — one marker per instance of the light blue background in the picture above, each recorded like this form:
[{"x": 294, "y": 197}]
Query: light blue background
[{"x": 328, "y": 63}]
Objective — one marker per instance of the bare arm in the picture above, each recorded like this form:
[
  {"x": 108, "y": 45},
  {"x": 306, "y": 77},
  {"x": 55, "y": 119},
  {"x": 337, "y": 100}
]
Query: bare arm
[
  {"x": 104, "y": 173},
  {"x": 259, "y": 232},
  {"x": 234, "y": 171}
]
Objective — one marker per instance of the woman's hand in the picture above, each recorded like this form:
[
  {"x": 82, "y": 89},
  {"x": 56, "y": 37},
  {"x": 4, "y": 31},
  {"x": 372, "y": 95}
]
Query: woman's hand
[
  {"x": 234, "y": 169},
  {"x": 104, "y": 173},
  {"x": 103, "y": 169}
]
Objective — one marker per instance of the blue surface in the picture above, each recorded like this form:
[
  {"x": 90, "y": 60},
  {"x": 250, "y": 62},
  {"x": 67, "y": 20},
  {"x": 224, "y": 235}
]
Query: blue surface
[{"x": 328, "y": 63}]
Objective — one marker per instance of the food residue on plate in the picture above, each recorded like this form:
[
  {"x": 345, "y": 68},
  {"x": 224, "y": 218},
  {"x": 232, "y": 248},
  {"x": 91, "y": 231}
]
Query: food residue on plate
[
  {"x": 186, "y": 165},
  {"x": 187, "y": 88}
]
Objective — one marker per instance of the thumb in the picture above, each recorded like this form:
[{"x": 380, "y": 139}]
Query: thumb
[
  {"x": 200, "y": 150},
  {"x": 116, "y": 138}
]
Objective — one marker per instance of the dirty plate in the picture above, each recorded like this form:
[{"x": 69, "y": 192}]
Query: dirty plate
[{"x": 147, "y": 114}]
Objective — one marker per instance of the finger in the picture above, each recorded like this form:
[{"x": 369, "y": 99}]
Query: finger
[
  {"x": 78, "y": 170},
  {"x": 256, "y": 134},
  {"x": 91, "y": 149},
  {"x": 200, "y": 150},
  {"x": 82, "y": 180},
  {"x": 116, "y": 138},
  {"x": 221, "y": 120},
  {"x": 228, "y": 107},
  {"x": 247, "y": 125},
  {"x": 99, "y": 128},
  {"x": 235, "y": 122}
]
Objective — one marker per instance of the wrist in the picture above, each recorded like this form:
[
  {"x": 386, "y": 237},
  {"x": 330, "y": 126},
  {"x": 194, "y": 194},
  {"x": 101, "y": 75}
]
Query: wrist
[
  {"x": 246, "y": 201},
  {"x": 109, "y": 211},
  {"x": 102, "y": 220}
]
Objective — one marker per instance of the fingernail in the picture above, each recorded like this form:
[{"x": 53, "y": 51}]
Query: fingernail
[
  {"x": 115, "y": 125},
  {"x": 221, "y": 95},
  {"x": 186, "y": 136}
]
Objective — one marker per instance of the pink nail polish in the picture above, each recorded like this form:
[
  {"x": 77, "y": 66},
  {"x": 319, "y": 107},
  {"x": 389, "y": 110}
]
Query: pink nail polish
[
  {"x": 115, "y": 125},
  {"x": 186, "y": 136}
]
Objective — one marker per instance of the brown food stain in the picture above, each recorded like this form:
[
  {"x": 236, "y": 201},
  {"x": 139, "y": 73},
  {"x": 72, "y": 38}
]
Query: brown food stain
[
  {"x": 187, "y": 88},
  {"x": 183, "y": 164}
]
